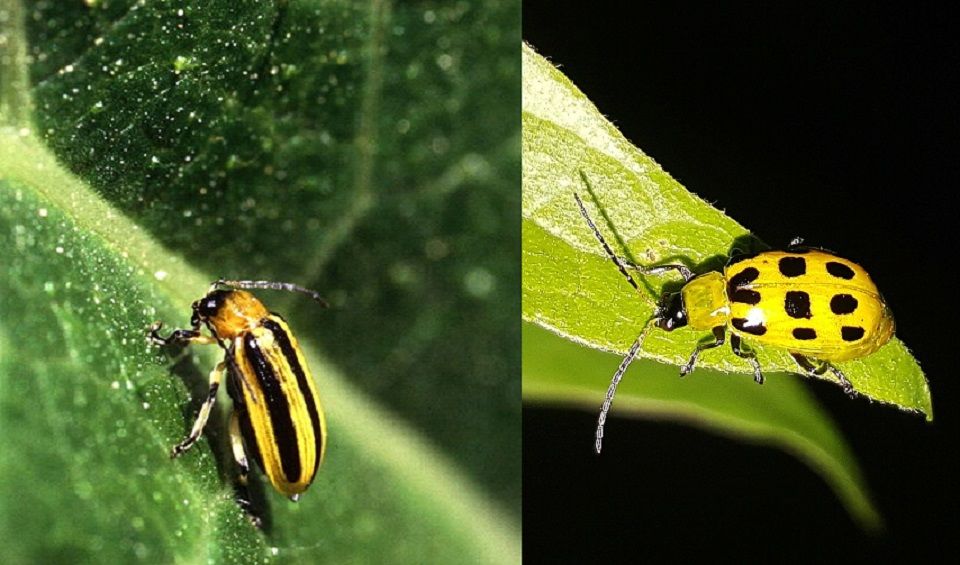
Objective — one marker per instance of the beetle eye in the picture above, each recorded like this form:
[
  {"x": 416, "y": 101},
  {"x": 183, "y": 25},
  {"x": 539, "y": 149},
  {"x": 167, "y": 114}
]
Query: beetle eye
[
  {"x": 678, "y": 320},
  {"x": 208, "y": 306},
  {"x": 671, "y": 313}
]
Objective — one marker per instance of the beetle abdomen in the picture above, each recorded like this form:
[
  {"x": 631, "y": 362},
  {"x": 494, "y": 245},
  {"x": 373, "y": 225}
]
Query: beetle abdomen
[
  {"x": 285, "y": 420},
  {"x": 808, "y": 301}
]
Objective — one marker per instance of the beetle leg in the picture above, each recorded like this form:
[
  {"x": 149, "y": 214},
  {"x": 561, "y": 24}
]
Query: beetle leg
[
  {"x": 807, "y": 365},
  {"x": 178, "y": 336},
  {"x": 236, "y": 444},
  {"x": 719, "y": 338},
  {"x": 242, "y": 496},
  {"x": 684, "y": 271},
  {"x": 847, "y": 385},
  {"x": 737, "y": 346},
  {"x": 241, "y": 491},
  {"x": 215, "y": 376},
  {"x": 822, "y": 368}
]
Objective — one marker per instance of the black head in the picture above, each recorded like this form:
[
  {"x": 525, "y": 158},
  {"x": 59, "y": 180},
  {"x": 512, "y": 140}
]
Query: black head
[
  {"x": 670, "y": 312},
  {"x": 208, "y": 306}
]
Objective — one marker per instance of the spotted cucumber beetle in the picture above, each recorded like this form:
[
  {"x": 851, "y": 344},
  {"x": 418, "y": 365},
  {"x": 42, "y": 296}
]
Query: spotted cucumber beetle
[
  {"x": 819, "y": 307},
  {"x": 277, "y": 413}
]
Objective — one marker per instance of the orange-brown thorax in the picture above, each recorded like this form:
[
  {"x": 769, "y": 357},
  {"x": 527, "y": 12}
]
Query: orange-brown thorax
[{"x": 232, "y": 312}]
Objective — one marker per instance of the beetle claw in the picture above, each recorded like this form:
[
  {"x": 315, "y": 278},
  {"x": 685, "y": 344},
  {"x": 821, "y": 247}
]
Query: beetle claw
[{"x": 153, "y": 334}]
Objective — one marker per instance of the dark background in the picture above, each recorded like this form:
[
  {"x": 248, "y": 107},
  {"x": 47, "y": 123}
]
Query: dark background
[{"x": 833, "y": 123}]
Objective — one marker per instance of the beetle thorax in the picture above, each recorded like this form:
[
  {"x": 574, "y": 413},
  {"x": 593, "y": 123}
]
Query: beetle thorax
[
  {"x": 705, "y": 301},
  {"x": 233, "y": 312}
]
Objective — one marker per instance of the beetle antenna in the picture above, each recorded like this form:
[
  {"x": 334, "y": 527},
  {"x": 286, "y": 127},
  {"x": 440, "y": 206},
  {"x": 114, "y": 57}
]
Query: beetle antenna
[
  {"x": 596, "y": 232},
  {"x": 271, "y": 285},
  {"x": 612, "y": 389}
]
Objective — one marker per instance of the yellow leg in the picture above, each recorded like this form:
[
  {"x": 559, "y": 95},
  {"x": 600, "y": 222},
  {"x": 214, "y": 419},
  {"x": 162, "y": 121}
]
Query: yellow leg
[
  {"x": 215, "y": 376},
  {"x": 236, "y": 443},
  {"x": 240, "y": 456}
]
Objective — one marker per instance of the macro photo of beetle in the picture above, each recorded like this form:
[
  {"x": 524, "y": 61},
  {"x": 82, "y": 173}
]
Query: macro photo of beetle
[
  {"x": 769, "y": 298},
  {"x": 422, "y": 243},
  {"x": 670, "y": 160},
  {"x": 277, "y": 416},
  {"x": 162, "y": 164}
]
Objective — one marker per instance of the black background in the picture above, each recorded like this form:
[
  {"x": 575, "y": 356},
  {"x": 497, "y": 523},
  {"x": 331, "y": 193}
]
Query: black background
[{"x": 833, "y": 123}]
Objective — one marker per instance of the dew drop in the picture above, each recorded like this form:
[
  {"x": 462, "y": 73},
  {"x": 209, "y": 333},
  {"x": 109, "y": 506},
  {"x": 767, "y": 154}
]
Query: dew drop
[{"x": 479, "y": 282}]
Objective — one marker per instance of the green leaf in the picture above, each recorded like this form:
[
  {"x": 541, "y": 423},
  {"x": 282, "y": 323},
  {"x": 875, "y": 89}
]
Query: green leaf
[
  {"x": 571, "y": 288},
  {"x": 102, "y": 239},
  {"x": 332, "y": 143},
  {"x": 782, "y": 413},
  {"x": 569, "y": 285}
]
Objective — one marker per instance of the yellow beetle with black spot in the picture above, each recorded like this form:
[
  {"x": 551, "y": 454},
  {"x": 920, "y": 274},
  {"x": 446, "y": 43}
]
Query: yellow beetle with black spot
[
  {"x": 819, "y": 307},
  {"x": 277, "y": 414},
  {"x": 808, "y": 301}
]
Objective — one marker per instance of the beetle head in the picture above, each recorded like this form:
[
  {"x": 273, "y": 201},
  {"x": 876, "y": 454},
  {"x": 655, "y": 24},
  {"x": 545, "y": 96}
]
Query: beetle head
[
  {"x": 670, "y": 312},
  {"x": 208, "y": 306}
]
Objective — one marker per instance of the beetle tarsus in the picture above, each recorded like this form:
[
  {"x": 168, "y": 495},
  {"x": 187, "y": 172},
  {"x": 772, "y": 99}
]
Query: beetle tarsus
[
  {"x": 244, "y": 501},
  {"x": 182, "y": 447},
  {"x": 175, "y": 337},
  {"x": 153, "y": 334},
  {"x": 844, "y": 383},
  {"x": 736, "y": 344}
]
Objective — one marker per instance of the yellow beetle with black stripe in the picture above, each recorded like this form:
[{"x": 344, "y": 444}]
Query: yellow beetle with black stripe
[
  {"x": 277, "y": 413},
  {"x": 819, "y": 307}
]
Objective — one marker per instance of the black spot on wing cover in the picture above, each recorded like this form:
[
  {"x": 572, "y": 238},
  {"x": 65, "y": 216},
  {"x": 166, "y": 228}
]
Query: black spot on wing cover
[
  {"x": 743, "y": 278},
  {"x": 797, "y": 304},
  {"x": 792, "y": 266},
  {"x": 851, "y": 333},
  {"x": 839, "y": 270},
  {"x": 804, "y": 334},
  {"x": 745, "y": 296},
  {"x": 843, "y": 304}
]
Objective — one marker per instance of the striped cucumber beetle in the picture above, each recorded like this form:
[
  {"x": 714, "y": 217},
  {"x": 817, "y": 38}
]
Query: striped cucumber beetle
[{"x": 277, "y": 416}]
